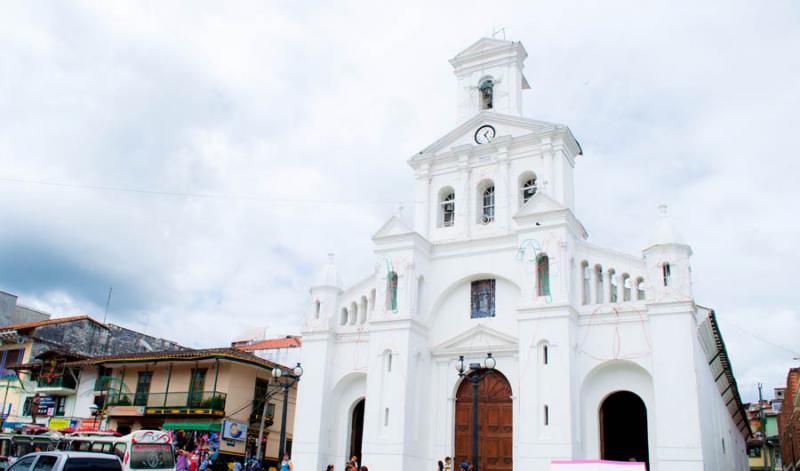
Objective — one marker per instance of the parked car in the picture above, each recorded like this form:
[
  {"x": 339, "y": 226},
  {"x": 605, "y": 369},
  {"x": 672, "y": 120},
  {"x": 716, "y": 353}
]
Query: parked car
[{"x": 67, "y": 461}]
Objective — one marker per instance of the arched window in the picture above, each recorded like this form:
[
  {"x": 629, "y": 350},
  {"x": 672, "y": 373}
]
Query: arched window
[
  {"x": 666, "y": 272},
  {"x": 372, "y": 300},
  {"x": 353, "y": 313},
  {"x": 542, "y": 275},
  {"x": 598, "y": 284},
  {"x": 527, "y": 187},
  {"x": 585, "y": 282},
  {"x": 486, "y": 203},
  {"x": 613, "y": 286},
  {"x": 447, "y": 207},
  {"x": 343, "y": 319},
  {"x": 639, "y": 289},
  {"x": 362, "y": 312},
  {"x": 317, "y": 308},
  {"x": 546, "y": 415},
  {"x": 486, "y": 89},
  {"x": 626, "y": 287},
  {"x": 391, "y": 291},
  {"x": 387, "y": 361},
  {"x": 545, "y": 354}
]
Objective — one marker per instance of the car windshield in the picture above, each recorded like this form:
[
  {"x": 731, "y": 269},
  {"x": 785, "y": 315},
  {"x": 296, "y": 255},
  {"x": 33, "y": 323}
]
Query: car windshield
[
  {"x": 156, "y": 456},
  {"x": 92, "y": 464}
]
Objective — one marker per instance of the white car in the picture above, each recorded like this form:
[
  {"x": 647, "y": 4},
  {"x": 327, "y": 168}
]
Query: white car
[{"x": 67, "y": 461}]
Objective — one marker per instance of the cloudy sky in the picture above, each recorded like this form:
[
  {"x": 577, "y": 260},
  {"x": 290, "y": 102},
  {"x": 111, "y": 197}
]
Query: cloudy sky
[{"x": 203, "y": 157}]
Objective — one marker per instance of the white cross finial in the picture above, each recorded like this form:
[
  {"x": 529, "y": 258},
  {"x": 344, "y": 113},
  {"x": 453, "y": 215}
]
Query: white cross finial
[{"x": 399, "y": 210}]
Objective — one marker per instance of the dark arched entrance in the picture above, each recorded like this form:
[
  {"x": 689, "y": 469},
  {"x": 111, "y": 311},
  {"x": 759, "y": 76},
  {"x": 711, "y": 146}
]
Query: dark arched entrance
[
  {"x": 495, "y": 441},
  {"x": 357, "y": 430},
  {"x": 623, "y": 428}
]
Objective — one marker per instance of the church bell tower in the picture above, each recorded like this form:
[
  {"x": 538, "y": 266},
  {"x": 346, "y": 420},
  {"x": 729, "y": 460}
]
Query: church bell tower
[{"x": 490, "y": 77}]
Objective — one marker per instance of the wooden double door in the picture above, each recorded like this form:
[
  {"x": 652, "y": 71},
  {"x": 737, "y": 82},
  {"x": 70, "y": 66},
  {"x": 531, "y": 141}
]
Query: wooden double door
[{"x": 495, "y": 419}]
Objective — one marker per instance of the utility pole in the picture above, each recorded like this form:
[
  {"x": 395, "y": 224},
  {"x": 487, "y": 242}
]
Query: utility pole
[{"x": 762, "y": 419}]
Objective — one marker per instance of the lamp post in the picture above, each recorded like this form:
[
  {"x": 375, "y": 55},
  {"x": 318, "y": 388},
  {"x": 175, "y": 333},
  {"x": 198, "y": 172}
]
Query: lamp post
[
  {"x": 474, "y": 375},
  {"x": 286, "y": 380},
  {"x": 94, "y": 409}
]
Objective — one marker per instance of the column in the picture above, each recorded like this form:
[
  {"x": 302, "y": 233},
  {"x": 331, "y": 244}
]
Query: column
[{"x": 464, "y": 202}]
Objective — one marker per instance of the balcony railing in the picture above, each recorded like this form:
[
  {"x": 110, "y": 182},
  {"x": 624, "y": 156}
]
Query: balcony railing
[
  {"x": 65, "y": 381},
  {"x": 175, "y": 400}
]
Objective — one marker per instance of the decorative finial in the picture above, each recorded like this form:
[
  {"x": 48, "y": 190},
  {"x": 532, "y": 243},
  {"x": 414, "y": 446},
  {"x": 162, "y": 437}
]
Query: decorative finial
[
  {"x": 399, "y": 210},
  {"x": 663, "y": 210},
  {"x": 331, "y": 256}
]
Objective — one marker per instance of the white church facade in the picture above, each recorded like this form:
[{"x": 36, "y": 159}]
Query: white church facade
[{"x": 599, "y": 354}]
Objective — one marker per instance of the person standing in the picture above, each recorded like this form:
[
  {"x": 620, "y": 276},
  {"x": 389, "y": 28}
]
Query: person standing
[
  {"x": 286, "y": 464},
  {"x": 448, "y": 463}
]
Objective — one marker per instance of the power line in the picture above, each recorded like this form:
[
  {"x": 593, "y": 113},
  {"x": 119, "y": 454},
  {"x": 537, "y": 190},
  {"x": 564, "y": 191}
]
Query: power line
[{"x": 768, "y": 342}]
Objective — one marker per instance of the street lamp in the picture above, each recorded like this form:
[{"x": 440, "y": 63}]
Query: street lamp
[
  {"x": 475, "y": 377},
  {"x": 286, "y": 380},
  {"x": 93, "y": 408}
]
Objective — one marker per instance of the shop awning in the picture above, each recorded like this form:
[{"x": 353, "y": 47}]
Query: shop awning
[{"x": 206, "y": 427}]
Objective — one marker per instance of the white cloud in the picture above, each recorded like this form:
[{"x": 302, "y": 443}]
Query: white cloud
[{"x": 308, "y": 113}]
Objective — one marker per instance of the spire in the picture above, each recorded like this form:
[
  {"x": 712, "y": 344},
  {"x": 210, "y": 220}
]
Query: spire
[
  {"x": 664, "y": 232},
  {"x": 327, "y": 275}
]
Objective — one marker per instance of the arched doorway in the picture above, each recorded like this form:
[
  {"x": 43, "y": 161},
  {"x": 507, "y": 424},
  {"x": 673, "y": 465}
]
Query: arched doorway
[
  {"x": 357, "y": 430},
  {"x": 495, "y": 440},
  {"x": 623, "y": 428}
]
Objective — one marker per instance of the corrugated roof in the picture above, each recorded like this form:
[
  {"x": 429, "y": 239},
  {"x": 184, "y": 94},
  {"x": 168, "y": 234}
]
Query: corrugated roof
[
  {"x": 269, "y": 344},
  {"x": 232, "y": 354},
  {"x": 58, "y": 320}
]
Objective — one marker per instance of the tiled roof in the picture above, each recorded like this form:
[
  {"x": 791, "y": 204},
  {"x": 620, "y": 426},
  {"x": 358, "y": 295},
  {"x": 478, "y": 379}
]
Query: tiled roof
[
  {"x": 59, "y": 320},
  {"x": 286, "y": 342},
  {"x": 179, "y": 355}
]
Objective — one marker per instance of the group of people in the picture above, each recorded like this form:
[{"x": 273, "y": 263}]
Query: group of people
[
  {"x": 447, "y": 465},
  {"x": 195, "y": 460},
  {"x": 351, "y": 465}
]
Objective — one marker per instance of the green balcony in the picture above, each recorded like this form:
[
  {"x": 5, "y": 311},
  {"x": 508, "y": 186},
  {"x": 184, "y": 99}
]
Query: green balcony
[
  {"x": 51, "y": 383},
  {"x": 173, "y": 403}
]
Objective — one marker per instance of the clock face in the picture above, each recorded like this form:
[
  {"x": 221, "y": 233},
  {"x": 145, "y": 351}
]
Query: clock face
[{"x": 484, "y": 134}]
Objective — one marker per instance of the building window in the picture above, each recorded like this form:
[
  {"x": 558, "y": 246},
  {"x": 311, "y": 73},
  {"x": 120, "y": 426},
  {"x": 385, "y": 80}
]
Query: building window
[
  {"x": 639, "y": 289},
  {"x": 391, "y": 291},
  {"x": 546, "y": 416},
  {"x": 363, "y": 311},
  {"x": 545, "y": 354},
  {"x": 487, "y": 204},
  {"x": 483, "y": 298},
  {"x": 317, "y": 308},
  {"x": 666, "y": 271},
  {"x": 61, "y": 403},
  {"x": 613, "y": 286},
  {"x": 598, "y": 287},
  {"x": 372, "y": 299},
  {"x": 586, "y": 279},
  {"x": 386, "y": 417},
  {"x": 388, "y": 356},
  {"x": 343, "y": 319},
  {"x": 486, "y": 89},
  {"x": 527, "y": 187},
  {"x": 626, "y": 287},
  {"x": 353, "y": 313},
  {"x": 197, "y": 383},
  {"x": 10, "y": 358},
  {"x": 447, "y": 207},
  {"x": 754, "y": 452},
  {"x": 542, "y": 275},
  {"x": 142, "y": 388}
]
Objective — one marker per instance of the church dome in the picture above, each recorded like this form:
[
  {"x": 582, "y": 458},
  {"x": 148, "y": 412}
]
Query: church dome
[
  {"x": 327, "y": 276},
  {"x": 664, "y": 232}
]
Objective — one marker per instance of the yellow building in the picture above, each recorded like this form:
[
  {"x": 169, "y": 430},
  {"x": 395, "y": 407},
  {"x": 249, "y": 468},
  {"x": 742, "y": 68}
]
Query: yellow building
[{"x": 215, "y": 390}]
